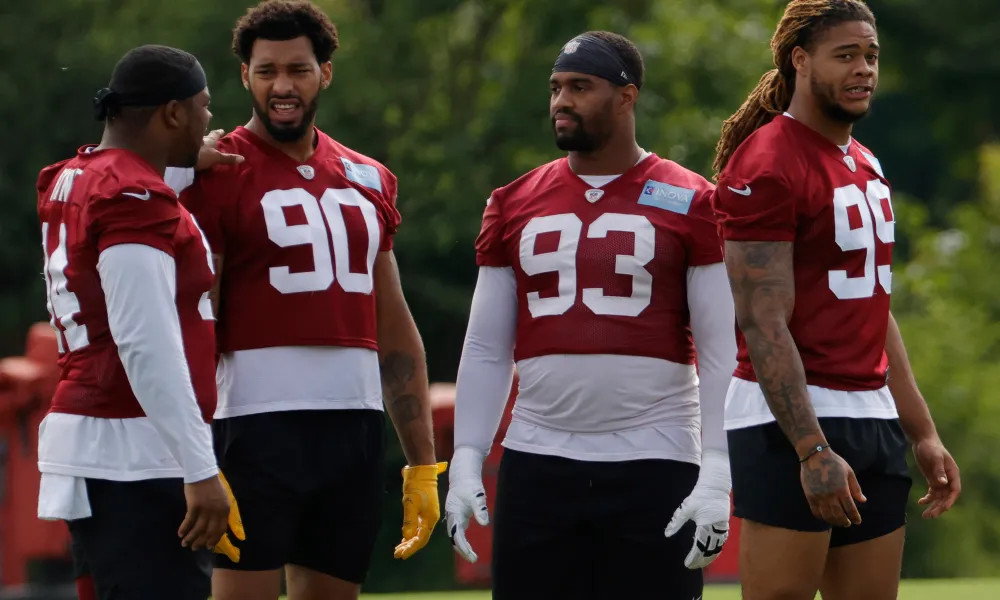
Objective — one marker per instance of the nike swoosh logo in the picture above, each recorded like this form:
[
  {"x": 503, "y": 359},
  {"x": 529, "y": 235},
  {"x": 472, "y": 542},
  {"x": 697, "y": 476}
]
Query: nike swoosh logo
[
  {"x": 146, "y": 196},
  {"x": 743, "y": 192}
]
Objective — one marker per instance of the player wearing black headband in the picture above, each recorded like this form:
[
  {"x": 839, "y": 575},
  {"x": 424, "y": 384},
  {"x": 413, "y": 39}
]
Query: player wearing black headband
[
  {"x": 313, "y": 329},
  {"x": 596, "y": 271},
  {"x": 126, "y": 451}
]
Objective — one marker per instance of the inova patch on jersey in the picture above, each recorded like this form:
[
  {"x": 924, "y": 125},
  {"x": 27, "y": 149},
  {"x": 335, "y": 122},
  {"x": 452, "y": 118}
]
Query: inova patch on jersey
[
  {"x": 666, "y": 196},
  {"x": 366, "y": 175}
]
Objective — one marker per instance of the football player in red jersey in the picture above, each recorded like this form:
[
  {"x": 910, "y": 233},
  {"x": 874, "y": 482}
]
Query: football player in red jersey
[
  {"x": 310, "y": 312},
  {"x": 125, "y": 451},
  {"x": 596, "y": 271},
  {"x": 823, "y": 399}
]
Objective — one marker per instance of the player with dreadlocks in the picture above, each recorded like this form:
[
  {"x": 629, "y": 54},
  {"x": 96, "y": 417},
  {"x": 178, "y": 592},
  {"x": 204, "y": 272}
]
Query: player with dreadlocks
[{"x": 823, "y": 398}]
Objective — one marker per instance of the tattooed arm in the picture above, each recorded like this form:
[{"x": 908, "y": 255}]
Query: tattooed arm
[
  {"x": 403, "y": 365},
  {"x": 763, "y": 284}
]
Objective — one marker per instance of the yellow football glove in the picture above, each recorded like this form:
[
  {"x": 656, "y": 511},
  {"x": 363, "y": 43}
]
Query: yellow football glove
[
  {"x": 421, "y": 510},
  {"x": 225, "y": 545}
]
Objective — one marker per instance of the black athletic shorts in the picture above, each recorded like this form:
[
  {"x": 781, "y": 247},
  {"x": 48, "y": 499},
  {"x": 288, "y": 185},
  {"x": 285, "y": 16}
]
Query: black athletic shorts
[
  {"x": 129, "y": 544},
  {"x": 767, "y": 486},
  {"x": 309, "y": 488},
  {"x": 575, "y": 530}
]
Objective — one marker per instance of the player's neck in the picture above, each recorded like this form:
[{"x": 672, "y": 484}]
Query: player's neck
[
  {"x": 137, "y": 143},
  {"x": 300, "y": 150},
  {"x": 616, "y": 157},
  {"x": 806, "y": 111}
]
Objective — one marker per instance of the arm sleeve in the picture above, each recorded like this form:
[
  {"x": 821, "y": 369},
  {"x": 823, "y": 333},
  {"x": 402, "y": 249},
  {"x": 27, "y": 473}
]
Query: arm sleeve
[
  {"x": 487, "y": 366},
  {"x": 390, "y": 213},
  {"x": 702, "y": 236},
  {"x": 140, "y": 285},
  {"x": 489, "y": 244},
  {"x": 713, "y": 326},
  {"x": 134, "y": 216},
  {"x": 210, "y": 198},
  {"x": 758, "y": 206}
]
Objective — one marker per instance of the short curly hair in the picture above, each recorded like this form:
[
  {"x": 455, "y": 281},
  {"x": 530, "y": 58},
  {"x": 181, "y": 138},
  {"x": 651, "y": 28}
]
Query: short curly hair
[{"x": 285, "y": 20}]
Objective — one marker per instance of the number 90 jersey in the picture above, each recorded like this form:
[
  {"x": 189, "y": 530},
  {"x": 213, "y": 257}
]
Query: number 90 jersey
[
  {"x": 602, "y": 271},
  {"x": 298, "y": 241},
  {"x": 788, "y": 183}
]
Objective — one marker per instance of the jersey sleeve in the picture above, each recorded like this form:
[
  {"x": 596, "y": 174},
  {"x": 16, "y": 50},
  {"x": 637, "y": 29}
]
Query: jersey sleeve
[
  {"x": 210, "y": 199},
  {"x": 701, "y": 237},
  {"x": 390, "y": 214},
  {"x": 489, "y": 244},
  {"x": 134, "y": 216},
  {"x": 757, "y": 202}
]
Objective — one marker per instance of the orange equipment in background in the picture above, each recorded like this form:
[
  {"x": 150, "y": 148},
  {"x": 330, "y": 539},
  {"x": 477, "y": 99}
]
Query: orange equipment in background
[{"x": 26, "y": 387}]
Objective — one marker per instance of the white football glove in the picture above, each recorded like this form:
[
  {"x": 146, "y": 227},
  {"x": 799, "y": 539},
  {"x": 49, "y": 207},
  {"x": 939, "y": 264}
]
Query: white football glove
[
  {"x": 708, "y": 507},
  {"x": 466, "y": 497}
]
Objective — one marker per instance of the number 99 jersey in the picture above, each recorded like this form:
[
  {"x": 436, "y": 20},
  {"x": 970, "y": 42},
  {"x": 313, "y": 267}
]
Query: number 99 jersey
[
  {"x": 788, "y": 183},
  {"x": 298, "y": 241},
  {"x": 602, "y": 271}
]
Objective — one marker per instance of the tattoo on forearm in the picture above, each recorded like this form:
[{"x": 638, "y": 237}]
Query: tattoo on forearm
[
  {"x": 398, "y": 370},
  {"x": 761, "y": 277},
  {"x": 405, "y": 409}
]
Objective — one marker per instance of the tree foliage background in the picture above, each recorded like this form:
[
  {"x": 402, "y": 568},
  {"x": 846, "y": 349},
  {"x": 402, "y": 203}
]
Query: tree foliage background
[{"x": 452, "y": 96}]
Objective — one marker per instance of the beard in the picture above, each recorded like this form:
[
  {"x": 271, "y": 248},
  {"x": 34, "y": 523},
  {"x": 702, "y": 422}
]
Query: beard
[
  {"x": 578, "y": 140},
  {"x": 188, "y": 157},
  {"x": 190, "y": 160},
  {"x": 284, "y": 132},
  {"x": 826, "y": 96}
]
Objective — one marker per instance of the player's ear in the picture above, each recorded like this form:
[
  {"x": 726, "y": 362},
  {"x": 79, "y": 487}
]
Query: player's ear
[
  {"x": 174, "y": 114},
  {"x": 245, "y": 75},
  {"x": 628, "y": 96},
  {"x": 325, "y": 74},
  {"x": 800, "y": 60}
]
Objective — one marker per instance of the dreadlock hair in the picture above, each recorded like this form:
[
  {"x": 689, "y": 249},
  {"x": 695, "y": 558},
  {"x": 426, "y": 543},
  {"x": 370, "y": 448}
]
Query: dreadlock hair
[
  {"x": 803, "y": 22},
  {"x": 285, "y": 20}
]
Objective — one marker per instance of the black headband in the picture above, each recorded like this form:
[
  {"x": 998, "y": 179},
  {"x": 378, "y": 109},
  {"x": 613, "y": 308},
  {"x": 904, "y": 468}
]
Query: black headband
[
  {"x": 154, "y": 93},
  {"x": 593, "y": 56}
]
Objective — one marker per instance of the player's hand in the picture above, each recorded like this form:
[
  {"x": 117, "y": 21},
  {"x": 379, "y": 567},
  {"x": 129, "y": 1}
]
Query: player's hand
[
  {"x": 944, "y": 483},
  {"x": 466, "y": 498},
  {"x": 421, "y": 508},
  {"x": 209, "y": 156},
  {"x": 235, "y": 523},
  {"x": 708, "y": 506},
  {"x": 207, "y": 513},
  {"x": 831, "y": 488}
]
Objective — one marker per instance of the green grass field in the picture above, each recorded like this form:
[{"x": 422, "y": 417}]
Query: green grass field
[{"x": 933, "y": 589}]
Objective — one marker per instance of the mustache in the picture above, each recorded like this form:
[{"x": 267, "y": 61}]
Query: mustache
[{"x": 568, "y": 113}]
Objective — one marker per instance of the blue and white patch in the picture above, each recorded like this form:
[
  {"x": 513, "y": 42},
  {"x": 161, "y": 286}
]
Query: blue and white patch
[
  {"x": 667, "y": 197},
  {"x": 366, "y": 175},
  {"x": 874, "y": 163}
]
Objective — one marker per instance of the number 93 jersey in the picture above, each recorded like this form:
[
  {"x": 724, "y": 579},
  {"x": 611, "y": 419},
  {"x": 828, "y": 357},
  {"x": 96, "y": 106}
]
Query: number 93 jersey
[
  {"x": 298, "y": 242},
  {"x": 602, "y": 270},
  {"x": 788, "y": 183}
]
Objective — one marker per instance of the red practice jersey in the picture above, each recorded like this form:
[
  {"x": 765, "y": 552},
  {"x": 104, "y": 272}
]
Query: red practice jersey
[
  {"x": 87, "y": 204},
  {"x": 788, "y": 183},
  {"x": 602, "y": 271},
  {"x": 298, "y": 240}
]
